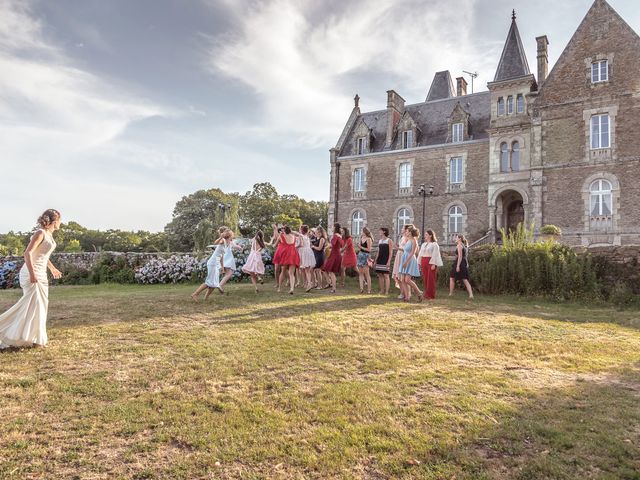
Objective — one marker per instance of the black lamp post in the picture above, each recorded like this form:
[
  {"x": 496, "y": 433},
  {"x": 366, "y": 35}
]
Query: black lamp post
[{"x": 424, "y": 191}]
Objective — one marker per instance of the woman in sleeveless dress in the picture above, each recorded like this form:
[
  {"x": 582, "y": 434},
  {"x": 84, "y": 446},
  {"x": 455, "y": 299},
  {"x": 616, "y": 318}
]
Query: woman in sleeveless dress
[
  {"x": 318, "y": 246},
  {"x": 25, "y": 324},
  {"x": 333, "y": 264},
  {"x": 364, "y": 254},
  {"x": 460, "y": 267},
  {"x": 290, "y": 259},
  {"x": 254, "y": 266},
  {"x": 349, "y": 259},
  {"x": 383, "y": 261},
  {"x": 277, "y": 256},
  {"x": 307, "y": 258},
  {"x": 430, "y": 260},
  {"x": 228, "y": 260},
  {"x": 409, "y": 265},
  {"x": 214, "y": 268},
  {"x": 398, "y": 259}
]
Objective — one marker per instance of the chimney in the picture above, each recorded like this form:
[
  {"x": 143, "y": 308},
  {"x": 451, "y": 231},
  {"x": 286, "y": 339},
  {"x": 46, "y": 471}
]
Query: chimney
[
  {"x": 395, "y": 109},
  {"x": 543, "y": 58},
  {"x": 461, "y": 90}
]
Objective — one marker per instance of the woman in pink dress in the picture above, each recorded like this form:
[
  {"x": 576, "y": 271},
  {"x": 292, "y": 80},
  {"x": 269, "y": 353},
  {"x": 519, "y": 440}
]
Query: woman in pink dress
[
  {"x": 254, "y": 266},
  {"x": 333, "y": 264}
]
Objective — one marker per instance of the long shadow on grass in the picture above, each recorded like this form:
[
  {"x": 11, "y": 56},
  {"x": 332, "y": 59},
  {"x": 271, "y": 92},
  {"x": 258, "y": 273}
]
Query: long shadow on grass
[{"x": 588, "y": 429}]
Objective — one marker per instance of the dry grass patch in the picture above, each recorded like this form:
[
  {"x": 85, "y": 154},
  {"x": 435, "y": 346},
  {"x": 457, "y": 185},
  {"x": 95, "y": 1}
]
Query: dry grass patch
[{"x": 140, "y": 382}]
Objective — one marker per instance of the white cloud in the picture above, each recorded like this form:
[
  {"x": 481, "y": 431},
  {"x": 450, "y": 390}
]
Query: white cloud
[
  {"x": 296, "y": 57},
  {"x": 52, "y": 113}
]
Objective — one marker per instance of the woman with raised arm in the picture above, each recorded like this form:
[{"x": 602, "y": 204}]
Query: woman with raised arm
[
  {"x": 383, "y": 261},
  {"x": 307, "y": 258},
  {"x": 228, "y": 260},
  {"x": 333, "y": 264},
  {"x": 254, "y": 266},
  {"x": 460, "y": 267},
  {"x": 25, "y": 324},
  {"x": 409, "y": 265},
  {"x": 214, "y": 268},
  {"x": 290, "y": 259},
  {"x": 430, "y": 260},
  {"x": 318, "y": 245},
  {"x": 364, "y": 256}
]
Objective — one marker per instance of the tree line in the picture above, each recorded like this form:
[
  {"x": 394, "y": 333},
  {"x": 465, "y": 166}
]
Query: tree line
[{"x": 194, "y": 224}]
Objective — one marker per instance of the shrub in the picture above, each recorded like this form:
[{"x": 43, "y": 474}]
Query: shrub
[
  {"x": 550, "y": 230},
  {"x": 170, "y": 270},
  {"x": 9, "y": 275},
  {"x": 112, "y": 269}
]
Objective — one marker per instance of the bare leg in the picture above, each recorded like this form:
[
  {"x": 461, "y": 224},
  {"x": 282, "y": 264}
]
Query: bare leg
[
  {"x": 228, "y": 273},
  {"x": 361, "y": 280},
  {"x": 277, "y": 275},
  {"x": 292, "y": 278},
  {"x": 367, "y": 278},
  {"x": 468, "y": 287},
  {"x": 412, "y": 286},
  {"x": 209, "y": 292},
  {"x": 381, "y": 283},
  {"x": 387, "y": 283},
  {"x": 452, "y": 285},
  {"x": 283, "y": 272},
  {"x": 198, "y": 291},
  {"x": 343, "y": 275},
  {"x": 332, "y": 281},
  {"x": 254, "y": 280}
]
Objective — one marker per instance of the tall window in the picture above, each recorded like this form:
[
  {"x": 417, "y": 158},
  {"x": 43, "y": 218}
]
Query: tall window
[
  {"x": 358, "y": 180},
  {"x": 403, "y": 219},
  {"x": 501, "y": 106},
  {"x": 407, "y": 139},
  {"x": 362, "y": 145},
  {"x": 515, "y": 156},
  {"x": 600, "y": 71},
  {"x": 455, "y": 170},
  {"x": 455, "y": 220},
  {"x": 405, "y": 175},
  {"x": 458, "y": 132},
  {"x": 600, "y": 133},
  {"x": 601, "y": 199},
  {"x": 504, "y": 157},
  {"x": 357, "y": 222},
  {"x": 520, "y": 104},
  {"x": 509, "y": 105}
]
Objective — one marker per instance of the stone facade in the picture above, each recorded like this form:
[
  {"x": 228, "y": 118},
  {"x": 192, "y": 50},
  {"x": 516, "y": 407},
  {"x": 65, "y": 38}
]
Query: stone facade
[{"x": 560, "y": 149}]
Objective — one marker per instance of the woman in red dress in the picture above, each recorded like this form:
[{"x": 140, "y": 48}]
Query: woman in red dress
[
  {"x": 349, "y": 259},
  {"x": 289, "y": 258},
  {"x": 334, "y": 262},
  {"x": 277, "y": 256}
]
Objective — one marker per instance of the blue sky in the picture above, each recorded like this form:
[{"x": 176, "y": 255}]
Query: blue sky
[{"x": 111, "y": 110}]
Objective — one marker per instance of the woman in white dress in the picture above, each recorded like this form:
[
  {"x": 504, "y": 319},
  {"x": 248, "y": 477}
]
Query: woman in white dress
[
  {"x": 307, "y": 258},
  {"x": 214, "y": 267},
  {"x": 228, "y": 260},
  {"x": 25, "y": 324}
]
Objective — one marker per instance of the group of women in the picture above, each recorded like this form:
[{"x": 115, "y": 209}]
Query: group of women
[{"x": 308, "y": 257}]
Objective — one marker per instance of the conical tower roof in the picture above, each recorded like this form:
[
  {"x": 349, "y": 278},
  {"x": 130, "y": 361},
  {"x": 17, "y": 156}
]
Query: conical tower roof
[{"x": 513, "y": 62}]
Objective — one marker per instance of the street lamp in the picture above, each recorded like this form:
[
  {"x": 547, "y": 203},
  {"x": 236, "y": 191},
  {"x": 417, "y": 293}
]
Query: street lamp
[{"x": 424, "y": 192}]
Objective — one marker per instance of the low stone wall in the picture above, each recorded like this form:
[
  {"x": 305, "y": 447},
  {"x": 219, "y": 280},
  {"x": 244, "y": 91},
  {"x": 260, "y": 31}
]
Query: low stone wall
[{"x": 87, "y": 260}]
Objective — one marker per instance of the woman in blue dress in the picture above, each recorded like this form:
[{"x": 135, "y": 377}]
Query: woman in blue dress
[
  {"x": 409, "y": 265},
  {"x": 214, "y": 267}
]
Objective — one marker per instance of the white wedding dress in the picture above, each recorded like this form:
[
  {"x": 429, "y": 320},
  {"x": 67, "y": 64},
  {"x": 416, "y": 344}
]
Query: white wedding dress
[{"x": 26, "y": 322}]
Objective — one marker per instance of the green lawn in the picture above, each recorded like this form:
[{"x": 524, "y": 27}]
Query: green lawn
[{"x": 141, "y": 383}]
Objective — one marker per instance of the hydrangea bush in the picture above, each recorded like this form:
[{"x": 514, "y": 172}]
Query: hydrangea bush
[
  {"x": 170, "y": 270},
  {"x": 9, "y": 275}
]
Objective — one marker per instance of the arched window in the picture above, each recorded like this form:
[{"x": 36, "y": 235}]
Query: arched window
[
  {"x": 404, "y": 218},
  {"x": 455, "y": 220},
  {"x": 357, "y": 223},
  {"x": 515, "y": 156},
  {"x": 504, "y": 157},
  {"x": 601, "y": 199}
]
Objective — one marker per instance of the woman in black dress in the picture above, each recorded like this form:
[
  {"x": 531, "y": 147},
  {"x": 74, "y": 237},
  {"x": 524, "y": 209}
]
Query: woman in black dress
[
  {"x": 383, "y": 261},
  {"x": 460, "y": 267},
  {"x": 318, "y": 245}
]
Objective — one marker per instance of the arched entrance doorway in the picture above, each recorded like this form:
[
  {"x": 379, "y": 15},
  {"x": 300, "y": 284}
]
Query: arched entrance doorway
[{"x": 510, "y": 210}]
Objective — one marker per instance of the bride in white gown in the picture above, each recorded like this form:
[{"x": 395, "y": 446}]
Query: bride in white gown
[{"x": 25, "y": 324}]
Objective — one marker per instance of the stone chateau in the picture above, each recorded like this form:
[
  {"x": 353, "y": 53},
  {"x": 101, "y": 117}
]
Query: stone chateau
[{"x": 560, "y": 148}]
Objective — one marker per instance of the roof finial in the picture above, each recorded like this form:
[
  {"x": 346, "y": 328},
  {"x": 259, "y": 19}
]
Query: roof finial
[
  {"x": 513, "y": 15},
  {"x": 356, "y": 100}
]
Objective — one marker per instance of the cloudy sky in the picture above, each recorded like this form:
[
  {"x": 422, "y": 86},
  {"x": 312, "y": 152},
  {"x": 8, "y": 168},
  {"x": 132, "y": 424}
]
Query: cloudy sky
[{"x": 111, "y": 110}]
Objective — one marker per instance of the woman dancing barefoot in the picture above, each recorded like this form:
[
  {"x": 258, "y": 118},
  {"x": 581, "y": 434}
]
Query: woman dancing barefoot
[
  {"x": 25, "y": 324},
  {"x": 214, "y": 267},
  {"x": 254, "y": 266}
]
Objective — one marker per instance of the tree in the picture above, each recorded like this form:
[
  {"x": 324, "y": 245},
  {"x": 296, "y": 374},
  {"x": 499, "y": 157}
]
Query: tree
[
  {"x": 14, "y": 243},
  {"x": 258, "y": 208},
  {"x": 220, "y": 208}
]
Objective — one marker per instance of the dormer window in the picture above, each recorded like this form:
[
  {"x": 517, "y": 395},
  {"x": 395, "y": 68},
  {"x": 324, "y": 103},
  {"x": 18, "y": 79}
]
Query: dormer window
[
  {"x": 458, "y": 132},
  {"x": 361, "y": 145},
  {"x": 407, "y": 139},
  {"x": 520, "y": 104},
  {"x": 501, "y": 106},
  {"x": 600, "y": 71},
  {"x": 509, "y": 105}
]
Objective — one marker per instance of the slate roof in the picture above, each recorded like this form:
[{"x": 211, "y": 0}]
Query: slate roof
[
  {"x": 432, "y": 118},
  {"x": 513, "y": 62},
  {"x": 441, "y": 87}
]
